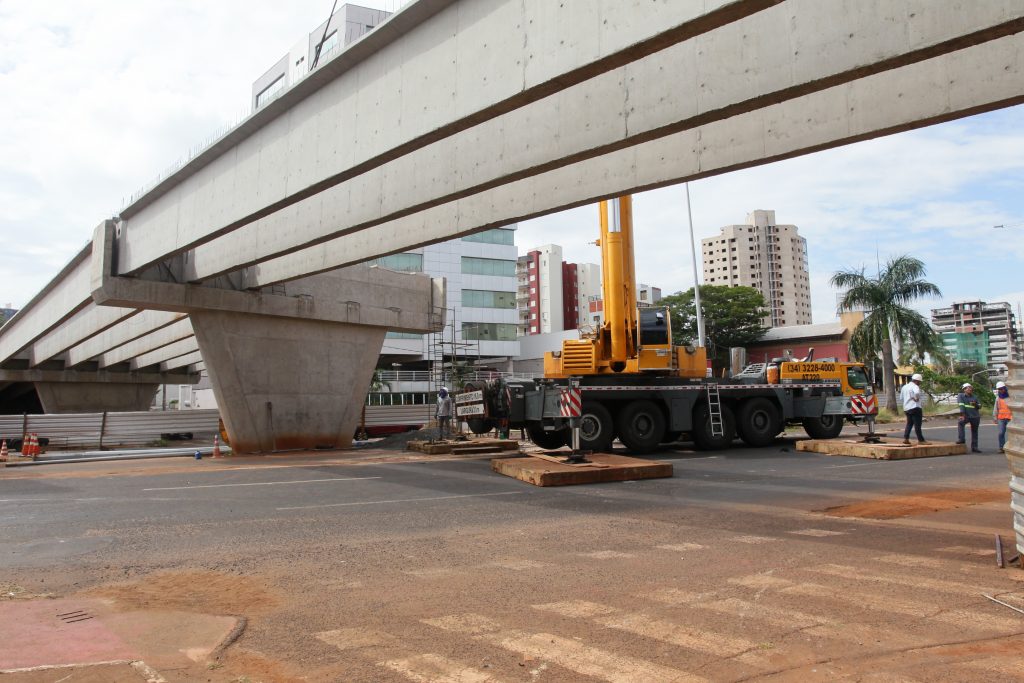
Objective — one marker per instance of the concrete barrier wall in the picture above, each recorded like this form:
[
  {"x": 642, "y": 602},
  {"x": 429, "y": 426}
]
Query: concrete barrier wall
[{"x": 1015, "y": 450}]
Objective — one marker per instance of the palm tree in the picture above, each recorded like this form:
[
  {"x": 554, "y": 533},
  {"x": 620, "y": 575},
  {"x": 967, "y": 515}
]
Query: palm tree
[{"x": 887, "y": 318}]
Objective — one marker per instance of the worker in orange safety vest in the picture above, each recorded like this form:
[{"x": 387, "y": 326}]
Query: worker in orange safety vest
[{"x": 1001, "y": 412}]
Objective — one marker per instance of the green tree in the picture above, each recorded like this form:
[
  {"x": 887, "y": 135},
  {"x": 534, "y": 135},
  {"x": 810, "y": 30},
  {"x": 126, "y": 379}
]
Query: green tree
[
  {"x": 732, "y": 317},
  {"x": 888, "y": 320}
]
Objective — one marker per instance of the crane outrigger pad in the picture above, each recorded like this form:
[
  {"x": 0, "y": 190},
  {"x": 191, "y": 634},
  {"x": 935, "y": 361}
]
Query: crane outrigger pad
[
  {"x": 549, "y": 471},
  {"x": 886, "y": 450}
]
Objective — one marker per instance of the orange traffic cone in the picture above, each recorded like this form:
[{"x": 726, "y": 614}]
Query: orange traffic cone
[
  {"x": 216, "y": 447},
  {"x": 3, "y": 450},
  {"x": 35, "y": 445},
  {"x": 25, "y": 444}
]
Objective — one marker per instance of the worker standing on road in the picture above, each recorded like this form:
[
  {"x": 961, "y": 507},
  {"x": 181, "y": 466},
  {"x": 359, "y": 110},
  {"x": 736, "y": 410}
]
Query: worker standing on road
[
  {"x": 1001, "y": 412},
  {"x": 911, "y": 396},
  {"x": 970, "y": 413},
  {"x": 443, "y": 413}
]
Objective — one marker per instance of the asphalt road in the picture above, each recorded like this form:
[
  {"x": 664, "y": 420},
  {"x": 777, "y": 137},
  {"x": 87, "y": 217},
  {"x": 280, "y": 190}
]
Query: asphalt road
[{"x": 431, "y": 569}]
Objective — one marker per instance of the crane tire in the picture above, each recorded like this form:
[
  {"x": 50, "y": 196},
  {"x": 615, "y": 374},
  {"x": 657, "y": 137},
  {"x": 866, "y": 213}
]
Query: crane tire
[
  {"x": 824, "y": 427},
  {"x": 641, "y": 426},
  {"x": 546, "y": 439},
  {"x": 702, "y": 435},
  {"x": 597, "y": 429},
  {"x": 759, "y": 421}
]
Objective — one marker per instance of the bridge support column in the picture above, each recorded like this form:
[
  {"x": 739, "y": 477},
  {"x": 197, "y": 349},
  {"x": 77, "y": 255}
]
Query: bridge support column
[
  {"x": 94, "y": 397},
  {"x": 287, "y": 383}
]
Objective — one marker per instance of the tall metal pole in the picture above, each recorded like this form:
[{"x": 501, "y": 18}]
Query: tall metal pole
[{"x": 696, "y": 283}]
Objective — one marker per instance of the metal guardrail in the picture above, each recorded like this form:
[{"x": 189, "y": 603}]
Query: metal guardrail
[
  {"x": 87, "y": 430},
  {"x": 1015, "y": 449},
  {"x": 379, "y": 416}
]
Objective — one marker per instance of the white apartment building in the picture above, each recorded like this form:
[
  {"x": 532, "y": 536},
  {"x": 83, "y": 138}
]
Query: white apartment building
[
  {"x": 769, "y": 257},
  {"x": 346, "y": 25},
  {"x": 481, "y": 316}
]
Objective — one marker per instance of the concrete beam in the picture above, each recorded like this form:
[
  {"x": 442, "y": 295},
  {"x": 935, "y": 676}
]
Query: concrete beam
[
  {"x": 360, "y": 295},
  {"x": 93, "y": 397},
  {"x": 158, "y": 339},
  {"x": 97, "y": 377},
  {"x": 167, "y": 352},
  {"x": 65, "y": 295},
  {"x": 84, "y": 325},
  {"x": 185, "y": 361},
  {"x": 782, "y": 53},
  {"x": 457, "y": 65},
  {"x": 128, "y": 330},
  {"x": 979, "y": 78}
]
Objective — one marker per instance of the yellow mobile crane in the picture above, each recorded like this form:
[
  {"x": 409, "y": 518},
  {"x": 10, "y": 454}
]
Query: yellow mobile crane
[
  {"x": 631, "y": 339},
  {"x": 637, "y": 386}
]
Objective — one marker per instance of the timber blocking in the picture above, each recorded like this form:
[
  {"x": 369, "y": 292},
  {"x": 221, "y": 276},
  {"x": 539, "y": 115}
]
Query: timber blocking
[
  {"x": 886, "y": 450},
  {"x": 603, "y": 467}
]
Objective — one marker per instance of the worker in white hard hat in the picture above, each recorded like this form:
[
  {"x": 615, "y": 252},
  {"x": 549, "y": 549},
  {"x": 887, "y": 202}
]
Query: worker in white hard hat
[
  {"x": 443, "y": 413},
  {"x": 911, "y": 396},
  {"x": 1001, "y": 412},
  {"x": 970, "y": 414}
]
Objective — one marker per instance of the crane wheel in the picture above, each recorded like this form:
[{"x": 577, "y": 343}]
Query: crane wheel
[
  {"x": 702, "y": 434},
  {"x": 759, "y": 422},
  {"x": 641, "y": 426},
  {"x": 545, "y": 439},
  {"x": 479, "y": 425},
  {"x": 597, "y": 429},
  {"x": 824, "y": 427}
]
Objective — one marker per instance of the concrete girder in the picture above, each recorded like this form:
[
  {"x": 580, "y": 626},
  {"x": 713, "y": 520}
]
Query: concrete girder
[
  {"x": 97, "y": 376},
  {"x": 82, "y": 326},
  {"x": 182, "y": 347},
  {"x": 175, "y": 332},
  {"x": 65, "y": 295},
  {"x": 400, "y": 301},
  {"x": 457, "y": 64},
  {"x": 980, "y": 78},
  {"x": 93, "y": 397},
  {"x": 187, "y": 361},
  {"x": 128, "y": 330},
  {"x": 727, "y": 74}
]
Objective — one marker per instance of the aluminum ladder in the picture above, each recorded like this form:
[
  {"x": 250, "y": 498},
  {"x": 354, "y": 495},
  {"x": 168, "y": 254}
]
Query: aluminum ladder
[{"x": 715, "y": 410}]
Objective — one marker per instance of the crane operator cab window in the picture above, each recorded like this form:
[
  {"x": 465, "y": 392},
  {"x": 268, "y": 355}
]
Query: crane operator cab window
[
  {"x": 856, "y": 377},
  {"x": 654, "y": 329}
]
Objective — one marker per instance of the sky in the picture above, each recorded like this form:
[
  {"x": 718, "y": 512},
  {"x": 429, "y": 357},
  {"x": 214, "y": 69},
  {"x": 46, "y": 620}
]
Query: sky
[{"x": 100, "y": 98}]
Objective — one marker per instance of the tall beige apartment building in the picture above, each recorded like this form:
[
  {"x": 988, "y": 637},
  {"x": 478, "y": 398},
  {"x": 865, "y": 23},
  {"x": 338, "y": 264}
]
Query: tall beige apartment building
[{"x": 769, "y": 257}]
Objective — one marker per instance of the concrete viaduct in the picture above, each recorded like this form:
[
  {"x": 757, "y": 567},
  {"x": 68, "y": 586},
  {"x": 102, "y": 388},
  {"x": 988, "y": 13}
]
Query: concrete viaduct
[{"x": 452, "y": 117}]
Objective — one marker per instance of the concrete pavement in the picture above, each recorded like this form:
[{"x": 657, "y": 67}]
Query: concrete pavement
[{"x": 390, "y": 568}]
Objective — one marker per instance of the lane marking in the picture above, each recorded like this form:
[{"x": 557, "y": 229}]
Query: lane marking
[
  {"x": 518, "y": 565},
  {"x": 258, "y": 483},
  {"x": 607, "y": 555},
  {"x": 565, "y": 652},
  {"x": 645, "y": 625},
  {"x": 681, "y": 547},
  {"x": 431, "y": 668},
  {"x": 401, "y": 500},
  {"x": 761, "y": 581},
  {"x": 818, "y": 533},
  {"x": 356, "y": 638},
  {"x": 965, "y": 550},
  {"x": 959, "y": 618},
  {"x": 821, "y": 626},
  {"x": 754, "y": 539},
  {"x": 915, "y": 581}
]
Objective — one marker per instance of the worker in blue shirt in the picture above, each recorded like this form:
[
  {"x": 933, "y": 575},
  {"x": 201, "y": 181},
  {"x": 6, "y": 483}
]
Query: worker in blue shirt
[{"x": 970, "y": 414}]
